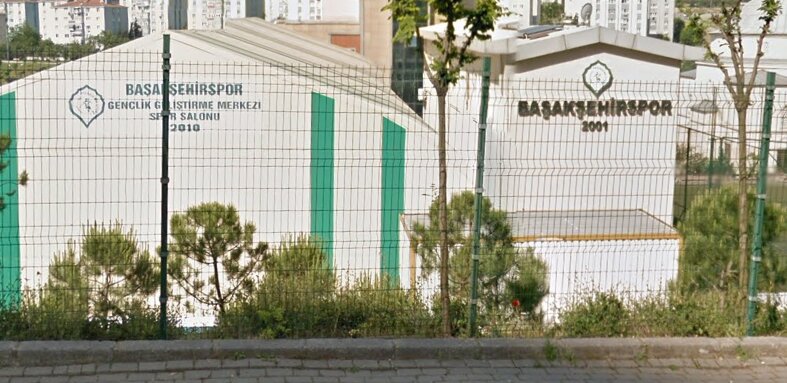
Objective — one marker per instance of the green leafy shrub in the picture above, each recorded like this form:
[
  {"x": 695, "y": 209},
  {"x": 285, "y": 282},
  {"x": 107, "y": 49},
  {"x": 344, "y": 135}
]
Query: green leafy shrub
[
  {"x": 299, "y": 296},
  {"x": 698, "y": 313},
  {"x": 600, "y": 315},
  {"x": 710, "y": 233},
  {"x": 505, "y": 272},
  {"x": 38, "y": 317},
  {"x": 211, "y": 235}
]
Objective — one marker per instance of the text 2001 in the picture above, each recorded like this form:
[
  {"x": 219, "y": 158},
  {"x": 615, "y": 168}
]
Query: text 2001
[{"x": 595, "y": 126}]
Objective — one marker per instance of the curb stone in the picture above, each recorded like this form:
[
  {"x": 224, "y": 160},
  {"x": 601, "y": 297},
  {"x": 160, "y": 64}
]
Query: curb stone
[{"x": 47, "y": 353}]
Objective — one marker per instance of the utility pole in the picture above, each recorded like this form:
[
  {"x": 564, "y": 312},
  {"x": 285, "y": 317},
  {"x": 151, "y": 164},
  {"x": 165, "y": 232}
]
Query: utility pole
[
  {"x": 7, "y": 34},
  {"x": 222, "y": 13},
  {"x": 82, "y": 10}
]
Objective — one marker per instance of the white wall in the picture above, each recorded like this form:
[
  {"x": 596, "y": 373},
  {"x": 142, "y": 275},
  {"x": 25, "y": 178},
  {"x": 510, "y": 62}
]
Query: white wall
[
  {"x": 56, "y": 23},
  {"x": 258, "y": 160},
  {"x": 537, "y": 164},
  {"x": 341, "y": 10},
  {"x": 633, "y": 269},
  {"x": 16, "y": 14}
]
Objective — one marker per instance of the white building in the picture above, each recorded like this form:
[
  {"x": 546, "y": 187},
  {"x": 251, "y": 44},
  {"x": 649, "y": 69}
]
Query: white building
[
  {"x": 641, "y": 17},
  {"x": 151, "y": 15},
  {"x": 76, "y": 21},
  {"x": 18, "y": 12},
  {"x": 63, "y": 22},
  {"x": 312, "y": 10},
  {"x": 721, "y": 122},
  {"x": 580, "y": 152},
  {"x": 300, "y": 136}
]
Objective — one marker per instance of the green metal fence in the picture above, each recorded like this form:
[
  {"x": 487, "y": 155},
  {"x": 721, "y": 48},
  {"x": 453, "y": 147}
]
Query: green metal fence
[{"x": 216, "y": 194}]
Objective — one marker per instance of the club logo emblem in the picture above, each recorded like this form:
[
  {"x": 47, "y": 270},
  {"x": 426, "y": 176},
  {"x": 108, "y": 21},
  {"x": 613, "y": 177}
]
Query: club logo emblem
[
  {"x": 86, "y": 104},
  {"x": 597, "y": 78}
]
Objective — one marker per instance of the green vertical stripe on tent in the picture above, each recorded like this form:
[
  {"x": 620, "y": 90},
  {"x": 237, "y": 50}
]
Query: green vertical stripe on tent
[
  {"x": 10, "y": 282},
  {"x": 392, "y": 197},
  {"x": 322, "y": 171}
]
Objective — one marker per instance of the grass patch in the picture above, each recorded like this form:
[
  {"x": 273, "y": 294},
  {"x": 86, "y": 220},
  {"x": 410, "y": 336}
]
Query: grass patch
[
  {"x": 554, "y": 353},
  {"x": 742, "y": 354},
  {"x": 14, "y": 70}
]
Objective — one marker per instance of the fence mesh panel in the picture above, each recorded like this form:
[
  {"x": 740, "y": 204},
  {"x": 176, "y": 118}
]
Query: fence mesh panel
[{"x": 302, "y": 199}]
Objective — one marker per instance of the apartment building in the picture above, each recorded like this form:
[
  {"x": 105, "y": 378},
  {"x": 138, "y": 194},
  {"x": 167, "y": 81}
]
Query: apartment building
[
  {"x": 312, "y": 10},
  {"x": 66, "y": 22},
  {"x": 76, "y": 21},
  {"x": 642, "y": 17}
]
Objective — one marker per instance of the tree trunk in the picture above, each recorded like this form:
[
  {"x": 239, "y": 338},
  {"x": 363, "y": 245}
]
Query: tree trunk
[
  {"x": 442, "y": 201},
  {"x": 743, "y": 202},
  {"x": 219, "y": 297}
]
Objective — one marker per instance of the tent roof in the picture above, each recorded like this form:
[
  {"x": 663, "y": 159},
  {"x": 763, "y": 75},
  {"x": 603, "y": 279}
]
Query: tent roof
[
  {"x": 528, "y": 43},
  {"x": 255, "y": 41},
  {"x": 751, "y": 23},
  {"x": 576, "y": 225}
]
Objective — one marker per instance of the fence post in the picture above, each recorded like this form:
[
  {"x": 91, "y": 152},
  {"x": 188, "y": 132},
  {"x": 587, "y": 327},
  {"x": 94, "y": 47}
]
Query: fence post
[
  {"x": 479, "y": 194},
  {"x": 686, "y": 176},
  {"x": 164, "y": 184},
  {"x": 712, "y": 140},
  {"x": 710, "y": 165},
  {"x": 762, "y": 179}
]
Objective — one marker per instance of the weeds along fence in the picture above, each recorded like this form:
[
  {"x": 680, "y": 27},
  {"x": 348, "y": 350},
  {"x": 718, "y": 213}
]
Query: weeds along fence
[{"x": 301, "y": 199}]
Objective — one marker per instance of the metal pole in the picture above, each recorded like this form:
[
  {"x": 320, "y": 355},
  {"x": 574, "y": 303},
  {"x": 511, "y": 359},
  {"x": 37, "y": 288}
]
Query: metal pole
[
  {"x": 479, "y": 195},
  {"x": 164, "y": 185},
  {"x": 83, "y": 25},
  {"x": 7, "y": 34},
  {"x": 759, "y": 212},
  {"x": 712, "y": 140},
  {"x": 710, "y": 165},
  {"x": 686, "y": 175},
  {"x": 222, "y": 13}
]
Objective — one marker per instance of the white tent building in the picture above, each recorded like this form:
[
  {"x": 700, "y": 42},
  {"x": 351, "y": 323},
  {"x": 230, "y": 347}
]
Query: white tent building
[
  {"x": 300, "y": 136},
  {"x": 580, "y": 151}
]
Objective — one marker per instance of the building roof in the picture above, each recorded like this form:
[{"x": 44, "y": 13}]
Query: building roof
[
  {"x": 576, "y": 225},
  {"x": 264, "y": 42},
  {"x": 512, "y": 42},
  {"x": 278, "y": 45},
  {"x": 751, "y": 23},
  {"x": 257, "y": 41}
]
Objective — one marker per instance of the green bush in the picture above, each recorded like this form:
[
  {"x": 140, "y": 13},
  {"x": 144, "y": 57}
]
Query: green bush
[
  {"x": 600, "y": 315},
  {"x": 710, "y": 233},
  {"x": 299, "y": 297},
  {"x": 505, "y": 272},
  {"x": 679, "y": 313},
  {"x": 701, "y": 313},
  {"x": 39, "y": 318}
]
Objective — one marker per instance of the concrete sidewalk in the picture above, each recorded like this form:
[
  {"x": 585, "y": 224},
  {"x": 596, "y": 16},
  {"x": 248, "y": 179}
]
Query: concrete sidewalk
[{"x": 772, "y": 350}]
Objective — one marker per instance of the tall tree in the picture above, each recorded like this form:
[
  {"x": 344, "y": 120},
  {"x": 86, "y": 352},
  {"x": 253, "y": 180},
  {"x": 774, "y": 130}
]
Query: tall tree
[
  {"x": 551, "y": 13},
  {"x": 209, "y": 239},
  {"x": 710, "y": 251},
  {"x": 107, "y": 39},
  {"x": 506, "y": 272},
  {"x": 677, "y": 27},
  {"x": 106, "y": 274},
  {"x": 443, "y": 71},
  {"x": 739, "y": 78},
  {"x": 693, "y": 33}
]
